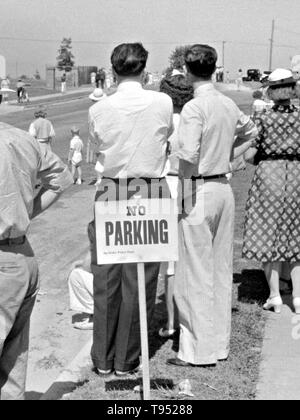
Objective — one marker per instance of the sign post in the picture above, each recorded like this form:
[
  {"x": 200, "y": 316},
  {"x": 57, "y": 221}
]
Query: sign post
[
  {"x": 144, "y": 331},
  {"x": 138, "y": 231}
]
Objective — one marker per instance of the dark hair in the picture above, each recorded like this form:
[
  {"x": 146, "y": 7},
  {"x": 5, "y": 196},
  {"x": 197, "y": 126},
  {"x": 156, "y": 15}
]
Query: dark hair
[
  {"x": 129, "y": 59},
  {"x": 178, "y": 88},
  {"x": 201, "y": 60},
  {"x": 257, "y": 94}
]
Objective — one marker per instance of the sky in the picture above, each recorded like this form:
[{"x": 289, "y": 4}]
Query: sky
[{"x": 31, "y": 30}]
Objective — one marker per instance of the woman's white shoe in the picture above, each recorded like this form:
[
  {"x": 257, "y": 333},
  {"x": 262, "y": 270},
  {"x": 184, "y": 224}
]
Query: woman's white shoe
[
  {"x": 296, "y": 303},
  {"x": 274, "y": 303}
]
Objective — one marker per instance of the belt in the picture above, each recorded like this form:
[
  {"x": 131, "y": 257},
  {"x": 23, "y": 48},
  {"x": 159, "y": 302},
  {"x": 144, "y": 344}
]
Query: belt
[
  {"x": 129, "y": 180},
  {"x": 13, "y": 241},
  {"x": 280, "y": 157},
  {"x": 207, "y": 178}
]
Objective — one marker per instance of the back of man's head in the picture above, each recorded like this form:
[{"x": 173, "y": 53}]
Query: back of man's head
[
  {"x": 129, "y": 60},
  {"x": 201, "y": 61}
]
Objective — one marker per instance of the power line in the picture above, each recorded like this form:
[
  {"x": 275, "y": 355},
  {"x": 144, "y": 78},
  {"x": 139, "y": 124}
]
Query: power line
[{"x": 251, "y": 43}]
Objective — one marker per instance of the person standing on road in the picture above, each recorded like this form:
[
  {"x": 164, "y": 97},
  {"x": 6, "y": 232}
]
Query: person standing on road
[
  {"x": 239, "y": 80},
  {"x": 21, "y": 162},
  {"x": 42, "y": 129},
  {"x": 5, "y": 83},
  {"x": 98, "y": 79},
  {"x": 132, "y": 128},
  {"x": 75, "y": 154},
  {"x": 63, "y": 83},
  {"x": 203, "y": 281},
  {"x": 20, "y": 89},
  {"x": 102, "y": 78}
]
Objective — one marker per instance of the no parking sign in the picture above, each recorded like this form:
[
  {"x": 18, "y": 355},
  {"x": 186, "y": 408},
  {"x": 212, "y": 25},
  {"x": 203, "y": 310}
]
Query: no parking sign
[{"x": 136, "y": 231}]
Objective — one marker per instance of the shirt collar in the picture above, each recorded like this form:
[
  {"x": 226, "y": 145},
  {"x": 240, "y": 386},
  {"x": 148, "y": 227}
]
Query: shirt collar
[
  {"x": 203, "y": 87},
  {"x": 129, "y": 86}
]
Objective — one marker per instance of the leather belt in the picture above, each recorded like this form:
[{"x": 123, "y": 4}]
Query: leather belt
[
  {"x": 13, "y": 241},
  {"x": 207, "y": 178}
]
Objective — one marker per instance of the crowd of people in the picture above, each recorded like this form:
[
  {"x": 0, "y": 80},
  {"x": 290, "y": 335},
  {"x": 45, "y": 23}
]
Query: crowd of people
[{"x": 149, "y": 143}]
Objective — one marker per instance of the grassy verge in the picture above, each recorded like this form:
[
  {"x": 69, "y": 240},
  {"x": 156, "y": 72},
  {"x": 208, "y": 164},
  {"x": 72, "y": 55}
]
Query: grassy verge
[{"x": 234, "y": 379}]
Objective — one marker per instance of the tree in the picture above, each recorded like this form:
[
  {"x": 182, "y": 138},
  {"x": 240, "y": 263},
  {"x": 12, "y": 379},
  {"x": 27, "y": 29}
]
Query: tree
[
  {"x": 65, "y": 58},
  {"x": 176, "y": 58}
]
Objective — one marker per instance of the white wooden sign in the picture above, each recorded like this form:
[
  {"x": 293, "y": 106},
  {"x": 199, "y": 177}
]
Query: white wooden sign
[{"x": 136, "y": 231}]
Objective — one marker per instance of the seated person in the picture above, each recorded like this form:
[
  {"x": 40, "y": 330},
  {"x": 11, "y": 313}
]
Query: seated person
[{"x": 81, "y": 293}]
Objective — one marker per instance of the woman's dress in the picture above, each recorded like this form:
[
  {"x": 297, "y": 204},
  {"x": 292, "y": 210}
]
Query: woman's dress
[{"x": 272, "y": 225}]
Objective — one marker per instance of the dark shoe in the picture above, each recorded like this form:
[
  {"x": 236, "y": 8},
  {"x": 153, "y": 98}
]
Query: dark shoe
[
  {"x": 181, "y": 363},
  {"x": 103, "y": 373},
  {"x": 121, "y": 374},
  {"x": 178, "y": 362}
]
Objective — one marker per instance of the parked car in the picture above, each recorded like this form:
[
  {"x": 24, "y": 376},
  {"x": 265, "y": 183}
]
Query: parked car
[{"x": 253, "y": 75}]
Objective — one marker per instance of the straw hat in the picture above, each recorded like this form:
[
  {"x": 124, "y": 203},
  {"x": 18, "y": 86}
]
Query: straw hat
[
  {"x": 97, "y": 95},
  {"x": 281, "y": 77}
]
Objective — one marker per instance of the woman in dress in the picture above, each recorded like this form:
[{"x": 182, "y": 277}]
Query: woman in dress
[{"x": 272, "y": 226}]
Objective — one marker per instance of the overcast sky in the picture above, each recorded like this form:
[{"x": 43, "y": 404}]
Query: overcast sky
[{"x": 96, "y": 26}]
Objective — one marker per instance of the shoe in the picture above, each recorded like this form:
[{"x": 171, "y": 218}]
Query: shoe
[
  {"x": 104, "y": 373},
  {"x": 78, "y": 182},
  {"x": 164, "y": 333},
  {"x": 179, "y": 362},
  {"x": 274, "y": 303},
  {"x": 296, "y": 303},
  {"x": 84, "y": 325},
  {"x": 121, "y": 374}
]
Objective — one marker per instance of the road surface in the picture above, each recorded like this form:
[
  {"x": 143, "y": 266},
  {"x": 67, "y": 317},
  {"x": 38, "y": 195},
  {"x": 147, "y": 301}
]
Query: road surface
[{"x": 59, "y": 239}]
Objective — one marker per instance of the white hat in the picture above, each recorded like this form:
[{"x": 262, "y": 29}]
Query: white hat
[
  {"x": 281, "y": 77},
  {"x": 97, "y": 95},
  {"x": 177, "y": 72}
]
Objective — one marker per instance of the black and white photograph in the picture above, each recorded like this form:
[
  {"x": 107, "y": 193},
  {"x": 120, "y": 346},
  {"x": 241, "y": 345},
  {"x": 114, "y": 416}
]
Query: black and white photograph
[{"x": 149, "y": 202}]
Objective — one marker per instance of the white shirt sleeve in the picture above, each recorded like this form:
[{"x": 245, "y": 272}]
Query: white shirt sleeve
[
  {"x": 32, "y": 130},
  {"x": 52, "y": 132}
]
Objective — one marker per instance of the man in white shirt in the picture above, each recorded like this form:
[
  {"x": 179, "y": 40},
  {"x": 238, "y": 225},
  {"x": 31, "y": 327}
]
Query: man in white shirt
[
  {"x": 208, "y": 127},
  {"x": 131, "y": 128}
]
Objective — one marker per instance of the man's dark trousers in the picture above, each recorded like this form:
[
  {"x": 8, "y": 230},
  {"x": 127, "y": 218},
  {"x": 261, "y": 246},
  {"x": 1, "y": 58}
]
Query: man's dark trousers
[{"x": 116, "y": 304}]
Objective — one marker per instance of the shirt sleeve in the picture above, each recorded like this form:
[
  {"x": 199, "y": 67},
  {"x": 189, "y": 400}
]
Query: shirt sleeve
[
  {"x": 53, "y": 173},
  {"x": 246, "y": 129},
  {"x": 32, "y": 130},
  {"x": 170, "y": 118},
  {"x": 52, "y": 132},
  {"x": 190, "y": 133},
  {"x": 93, "y": 135}
]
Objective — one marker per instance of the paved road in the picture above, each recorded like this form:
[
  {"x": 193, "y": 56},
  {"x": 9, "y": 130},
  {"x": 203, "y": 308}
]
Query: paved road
[
  {"x": 59, "y": 238},
  {"x": 63, "y": 116}
]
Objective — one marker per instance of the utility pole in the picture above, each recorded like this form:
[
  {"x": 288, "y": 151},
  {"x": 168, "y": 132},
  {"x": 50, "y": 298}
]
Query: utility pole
[
  {"x": 271, "y": 46},
  {"x": 223, "y": 52}
]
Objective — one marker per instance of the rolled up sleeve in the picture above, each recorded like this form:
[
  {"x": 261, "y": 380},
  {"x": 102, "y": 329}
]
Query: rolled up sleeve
[
  {"x": 190, "y": 133},
  {"x": 246, "y": 129},
  {"x": 54, "y": 174}
]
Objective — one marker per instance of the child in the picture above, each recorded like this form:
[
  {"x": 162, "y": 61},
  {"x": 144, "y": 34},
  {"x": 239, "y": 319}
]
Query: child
[
  {"x": 75, "y": 154},
  {"x": 259, "y": 104}
]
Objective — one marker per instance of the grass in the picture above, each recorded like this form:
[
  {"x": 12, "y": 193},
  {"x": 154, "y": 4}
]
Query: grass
[{"x": 235, "y": 379}]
